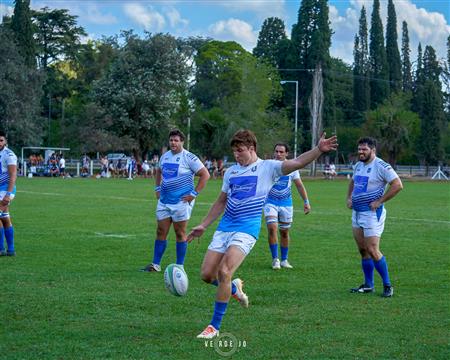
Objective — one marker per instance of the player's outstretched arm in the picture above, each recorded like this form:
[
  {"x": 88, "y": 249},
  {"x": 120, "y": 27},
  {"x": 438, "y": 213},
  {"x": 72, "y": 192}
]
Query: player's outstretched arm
[
  {"x": 324, "y": 145},
  {"x": 214, "y": 212}
]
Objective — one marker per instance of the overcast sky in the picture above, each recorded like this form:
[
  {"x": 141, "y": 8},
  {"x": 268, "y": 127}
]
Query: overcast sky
[{"x": 241, "y": 20}]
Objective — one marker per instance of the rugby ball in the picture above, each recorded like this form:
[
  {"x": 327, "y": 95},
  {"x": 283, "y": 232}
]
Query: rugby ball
[{"x": 176, "y": 280}]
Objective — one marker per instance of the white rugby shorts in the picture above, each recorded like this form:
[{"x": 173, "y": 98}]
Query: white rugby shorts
[
  {"x": 180, "y": 211},
  {"x": 369, "y": 222},
  {"x": 222, "y": 240},
  {"x": 282, "y": 213}
]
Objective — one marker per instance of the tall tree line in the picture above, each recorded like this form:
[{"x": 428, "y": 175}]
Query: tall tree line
[{"x": 107, "y": 95}]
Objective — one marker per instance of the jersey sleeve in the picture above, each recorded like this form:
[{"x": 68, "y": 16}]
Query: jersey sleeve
[
  {"x": 194, "y": 162},
  {"x": 11, "y": 158},
  {"x": 387, "y": 172},
  {"x": 276, "y": 168},
  {"x": 295, "y": 175},
  {"x": 226, "y": 181}
]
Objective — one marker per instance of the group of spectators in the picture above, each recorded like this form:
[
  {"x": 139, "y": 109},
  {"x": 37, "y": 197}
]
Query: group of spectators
[
  {"x": 128, "y": 167},
  {"x": 215, "y": 167},
  {"x": 54, "y": 166}
]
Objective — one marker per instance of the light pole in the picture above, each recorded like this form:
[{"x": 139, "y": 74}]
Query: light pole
[{"x": 282, "y": 82}]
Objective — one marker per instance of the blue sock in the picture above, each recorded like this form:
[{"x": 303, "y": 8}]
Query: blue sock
[
  {"x": 160, "y": 247},
  {"x": 382, "y": 268},
  {"x": 181, "y": 252},
  {"x": 2, "y": 243},
  {"x": 220, "y": 309},
  {"x": 368, "y": 267},
  {"x": 9, "y": 236},
  {"x": 274, "y": 250},
  {"x": 233, "y": 287},
  {"x": 284, "y": 253}
]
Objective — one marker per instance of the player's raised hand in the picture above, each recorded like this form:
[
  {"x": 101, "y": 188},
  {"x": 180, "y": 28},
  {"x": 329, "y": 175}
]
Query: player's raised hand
[
  {"x": 326, "y": 145},
  {"x": 196, "y": 232}
]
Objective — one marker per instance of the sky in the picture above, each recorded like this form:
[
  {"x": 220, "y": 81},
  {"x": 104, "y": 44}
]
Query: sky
[{"x": 241, "y": 20}]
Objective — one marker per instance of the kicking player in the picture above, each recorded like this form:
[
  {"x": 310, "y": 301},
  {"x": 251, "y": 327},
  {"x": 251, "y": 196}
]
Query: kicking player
[
  {"x": 176, "y": 196},
  {"x": 366, "y": 196},
  {"x": 278, "y": 210},
  {"x": 244, "y": 192},
  {"x": 8, "y": 175}
]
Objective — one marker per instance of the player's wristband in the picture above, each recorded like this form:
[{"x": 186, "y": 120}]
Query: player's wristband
[
  {"x": 194, "y": 193},
  {"x": 157, "y": 188},
  {"x": 306, "y": 202},
  {"x": 8, "y": 193}
]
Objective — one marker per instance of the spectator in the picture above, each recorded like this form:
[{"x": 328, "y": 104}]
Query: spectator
[
  {"x": 85, "y": 160},
  {"x": 146, "y": 169},
  {"x": 62, "y": 166}
]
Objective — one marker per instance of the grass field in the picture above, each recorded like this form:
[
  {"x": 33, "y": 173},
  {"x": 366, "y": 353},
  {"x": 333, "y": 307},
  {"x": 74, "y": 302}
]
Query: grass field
[{"x": 74, "y": 290}]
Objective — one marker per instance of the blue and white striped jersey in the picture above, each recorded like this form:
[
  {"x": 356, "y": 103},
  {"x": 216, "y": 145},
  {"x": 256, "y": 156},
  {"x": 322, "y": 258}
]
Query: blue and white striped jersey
[
  {"x": 177, "y": 173},
  {"x": 370, "y": 182},
  {"x": 247, "y": 188},
  {"x": 281, "y": 194},
  {"x": 7, "y": 157}
]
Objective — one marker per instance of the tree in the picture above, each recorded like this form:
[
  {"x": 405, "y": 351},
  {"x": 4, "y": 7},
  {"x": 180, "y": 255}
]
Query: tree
[
  {"x": 394, "y": 125},
  {"x": 142, "y": 90},
  {"x": 57, "y": 34},
  {"x": 392, "y": 53},
  {"x": 406, "y": 62},
  {"x": 80, "y": 114},
  {"x": 446, "y": 80},
  {"x": 361, "y": 85},
  {"x": 432, "y": 120},
  {"x": 217, "y": 75},
  {"x": 379, "y": 72},
  {"x": 428, "y": 102},
  {"x": 234, "y": 90},
  {"x": 23, "y": 30},
  {"x": 343, "y": 90},
  {"x": 20, "y": 91},
  {"x": 311, "y": 36},
  {"x": 272, "y": 33}
]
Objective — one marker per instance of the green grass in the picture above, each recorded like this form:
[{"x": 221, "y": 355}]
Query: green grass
[{"x": 73, "y": 292}]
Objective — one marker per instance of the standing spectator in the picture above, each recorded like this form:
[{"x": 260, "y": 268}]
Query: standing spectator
[
  {"x": 332, "y": 171},
  {"x": 85, "y": 165},
  {"x": 104, "y": 164},
  {"x": 146, "y": 169},
  {"x": 62, "y": 166},
  {"x": 130, "y": 167},
  {"x": 8, "y": 175}
]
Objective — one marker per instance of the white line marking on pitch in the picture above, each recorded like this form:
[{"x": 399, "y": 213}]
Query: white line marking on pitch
[
  {"x": 209, "y": 204},
  {"x": 39, "y": 193},
  {"x": 113, "y": 235}
]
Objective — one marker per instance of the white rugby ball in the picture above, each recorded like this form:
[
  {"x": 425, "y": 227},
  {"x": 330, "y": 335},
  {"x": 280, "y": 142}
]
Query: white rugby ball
[{"x": 176, "y": 280}]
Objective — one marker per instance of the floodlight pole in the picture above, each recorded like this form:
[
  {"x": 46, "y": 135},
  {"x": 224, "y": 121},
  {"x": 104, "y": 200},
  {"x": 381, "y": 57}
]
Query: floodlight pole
[{"x": 282, "y": 82}]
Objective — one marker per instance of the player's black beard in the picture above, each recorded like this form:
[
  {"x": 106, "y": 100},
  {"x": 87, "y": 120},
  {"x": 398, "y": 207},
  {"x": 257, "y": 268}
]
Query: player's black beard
[{"x": 364, "y": 159}]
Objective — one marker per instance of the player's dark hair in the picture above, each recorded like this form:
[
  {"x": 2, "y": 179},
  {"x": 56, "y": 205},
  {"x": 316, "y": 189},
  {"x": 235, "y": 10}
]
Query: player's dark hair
[
  {"x": 244, "y": 137},
  {"x": 177, "y": 132},
  {"x": 371, "y": 142},
  {"x": 3, "y": 134},
  {"x": 286, "y": 147}
]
